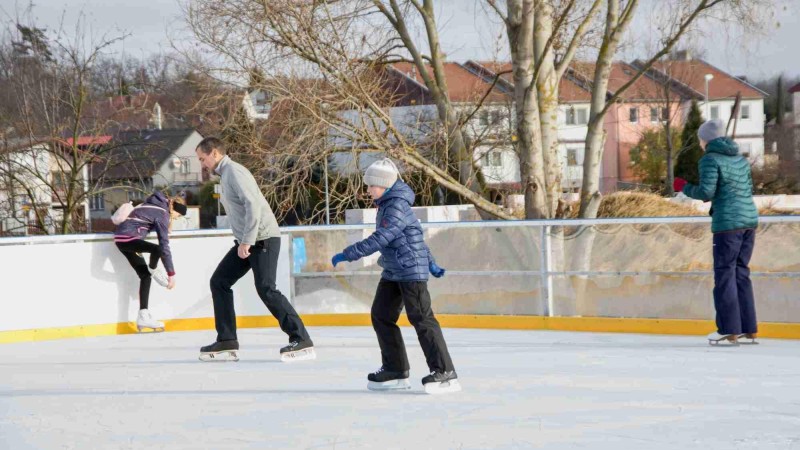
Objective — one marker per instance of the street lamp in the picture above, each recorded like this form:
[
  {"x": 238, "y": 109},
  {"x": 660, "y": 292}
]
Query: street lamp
[{"x": 708, "y": 78}]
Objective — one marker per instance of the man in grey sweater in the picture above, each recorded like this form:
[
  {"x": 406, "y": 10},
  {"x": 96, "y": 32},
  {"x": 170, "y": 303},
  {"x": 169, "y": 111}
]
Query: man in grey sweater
[{"x": 257, "y": 246}]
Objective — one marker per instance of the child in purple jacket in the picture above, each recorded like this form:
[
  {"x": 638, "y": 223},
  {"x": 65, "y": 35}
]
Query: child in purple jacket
[{"x": 154, "y": 214}]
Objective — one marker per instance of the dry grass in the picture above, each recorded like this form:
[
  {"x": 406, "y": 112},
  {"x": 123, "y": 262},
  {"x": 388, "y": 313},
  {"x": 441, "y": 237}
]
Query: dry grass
[{"x": 637, "y": 204}]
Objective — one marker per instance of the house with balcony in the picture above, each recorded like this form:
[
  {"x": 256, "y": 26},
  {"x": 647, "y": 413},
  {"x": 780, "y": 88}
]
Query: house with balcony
[{"x": 137, "y": 162}]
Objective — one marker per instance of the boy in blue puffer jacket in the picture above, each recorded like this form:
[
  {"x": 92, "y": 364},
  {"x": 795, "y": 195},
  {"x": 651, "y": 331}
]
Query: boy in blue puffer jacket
[{"x": 406, "y": 262}]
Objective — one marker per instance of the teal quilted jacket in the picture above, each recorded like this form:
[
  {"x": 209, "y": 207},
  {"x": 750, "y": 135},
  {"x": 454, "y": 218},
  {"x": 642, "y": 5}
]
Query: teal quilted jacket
[{"x": 725, "y": 180}]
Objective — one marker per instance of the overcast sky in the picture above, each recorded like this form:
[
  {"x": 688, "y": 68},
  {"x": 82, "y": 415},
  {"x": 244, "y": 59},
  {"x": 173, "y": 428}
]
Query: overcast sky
[{"x": 467, "y": 32}]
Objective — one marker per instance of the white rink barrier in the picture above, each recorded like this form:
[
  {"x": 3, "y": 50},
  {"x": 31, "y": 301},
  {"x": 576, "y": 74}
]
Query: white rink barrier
[
  {"x": 643, "y": 275},
  {"x": 75, "y": 280}
]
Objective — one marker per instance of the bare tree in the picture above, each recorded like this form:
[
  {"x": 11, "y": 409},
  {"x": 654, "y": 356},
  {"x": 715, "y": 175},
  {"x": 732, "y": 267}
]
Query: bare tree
[
  {"x": 542, "y": 50},
  {"x": 544, "y": 37},
  {"x": 342, "y": 48},
  {"x": 49, "y": 144},
  {"x": 683, "y": 16}
]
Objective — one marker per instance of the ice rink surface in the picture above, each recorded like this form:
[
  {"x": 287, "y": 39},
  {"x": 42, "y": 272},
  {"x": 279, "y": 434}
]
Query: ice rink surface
[{"x": 522, "y": 389}]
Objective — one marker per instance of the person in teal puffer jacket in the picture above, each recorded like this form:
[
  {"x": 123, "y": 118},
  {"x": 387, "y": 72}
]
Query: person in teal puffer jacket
[{"x": 726, "y": 181}]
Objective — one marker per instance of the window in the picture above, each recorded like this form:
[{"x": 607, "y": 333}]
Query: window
[
  {"x": 577, "y": 116},
  {"x": 658, "y": 114},
  {"x": 185, "y": 165},
  {"x": 262, "y": 104},
  {"x": 714, "y": 112},
  {"x": 484, "y": 118},
  {"x": 135, "y": 195},
  {"x": 493, "y": 159},
  {"x": 572, "y": 157},
  {"x": 744, "y": 112},
  {"x": 583, "y": 116},
  {"x": 634, "y": 115},
  {"x": 97, "y": 202}
]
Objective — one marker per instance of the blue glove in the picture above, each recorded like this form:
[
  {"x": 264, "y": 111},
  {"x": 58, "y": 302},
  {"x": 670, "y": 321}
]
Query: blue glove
[
  {"x": 337, "y": 258},
  {"x": 435, "y": 270}
]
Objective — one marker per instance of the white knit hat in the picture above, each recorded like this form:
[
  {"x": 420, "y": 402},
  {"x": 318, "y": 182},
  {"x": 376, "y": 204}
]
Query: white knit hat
[
  {"x": 381, "y": 173},
  {"x": 711, "y": 130}
]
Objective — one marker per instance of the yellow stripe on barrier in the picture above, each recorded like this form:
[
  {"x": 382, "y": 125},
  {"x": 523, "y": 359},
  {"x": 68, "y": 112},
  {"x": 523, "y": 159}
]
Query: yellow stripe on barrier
[{"x": 586, "y": 324}]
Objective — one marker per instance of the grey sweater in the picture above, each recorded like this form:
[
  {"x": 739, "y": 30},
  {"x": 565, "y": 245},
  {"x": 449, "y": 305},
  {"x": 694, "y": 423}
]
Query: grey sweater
[{"x": 249, "y": 213}]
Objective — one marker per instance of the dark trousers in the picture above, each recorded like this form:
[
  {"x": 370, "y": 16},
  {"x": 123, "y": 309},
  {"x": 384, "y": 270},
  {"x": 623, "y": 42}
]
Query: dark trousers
[
  {"x": 132, "y": 252},
  {"x": 390, "y": 298},
  {"x": 263, "y": 260},
  {"x": 733, "y": 291}
]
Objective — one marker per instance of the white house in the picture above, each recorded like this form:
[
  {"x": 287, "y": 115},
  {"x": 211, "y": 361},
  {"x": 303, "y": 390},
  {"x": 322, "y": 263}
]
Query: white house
[
  {"x": 719, "y": 90},
  {"x": 142, "y": 160}
]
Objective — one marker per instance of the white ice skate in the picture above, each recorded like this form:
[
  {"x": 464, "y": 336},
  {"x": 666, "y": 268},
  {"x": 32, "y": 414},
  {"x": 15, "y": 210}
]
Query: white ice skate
[
  {"x": 441, "y": 383},
  {"x": 145, "y": 321},
  {"x": 748, "y": 339},
  {"x": 298, "y": 351},
  {"x": 722, "y": 339},
  {"x": 159, "y": 276}
]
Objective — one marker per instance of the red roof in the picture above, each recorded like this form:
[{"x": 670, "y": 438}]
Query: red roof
[
  {"x": 84, "y": 141},
  {"x": 568, "y": 89},
  {"x": 462, "y": 85},
  {"x": 795, "y": 88},
  {"x": 692, "y": 73}
]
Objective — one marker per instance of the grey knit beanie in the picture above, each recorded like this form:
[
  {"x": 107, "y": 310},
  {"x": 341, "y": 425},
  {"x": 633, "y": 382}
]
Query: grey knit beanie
[
  {"x": 381, "y": 173},
  {"x": 711, "y": 130}
]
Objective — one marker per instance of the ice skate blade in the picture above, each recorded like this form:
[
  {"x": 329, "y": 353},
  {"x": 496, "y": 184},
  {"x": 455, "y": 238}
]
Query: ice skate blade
[
  {"x": 442, "y": 388},
  {"x": 393, "y": 385},
  {"x": 723, "y": 343},
  {"x": 305, "y": 354},
  {"x": 744, "y": 340},
  {"x": 152, "y": 329},
  {"x": 223, "y": 356}
]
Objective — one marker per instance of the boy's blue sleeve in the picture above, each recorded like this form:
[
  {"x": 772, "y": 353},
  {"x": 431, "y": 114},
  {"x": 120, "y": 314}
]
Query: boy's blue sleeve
[
  {"x": 389, "y": 229},
  {"x": 431, "y": 260}
]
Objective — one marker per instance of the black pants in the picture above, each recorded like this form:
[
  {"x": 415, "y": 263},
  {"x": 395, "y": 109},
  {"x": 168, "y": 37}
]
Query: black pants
[
  {"x": 263, "y": 260},
  {"x": 390, "y": 298},
  {"x": 733, "y": 290},
  {"x": 132, "y": 252}
]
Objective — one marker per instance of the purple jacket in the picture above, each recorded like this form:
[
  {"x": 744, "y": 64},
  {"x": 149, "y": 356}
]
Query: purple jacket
[{"x": 151, "y": 215}]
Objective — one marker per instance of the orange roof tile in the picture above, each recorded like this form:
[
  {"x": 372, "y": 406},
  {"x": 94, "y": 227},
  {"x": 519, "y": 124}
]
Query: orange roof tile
[
  {"x": 463, "y": 85},
  {"x": 568, "y": 90},
  {"x": 723, "y": 85}
]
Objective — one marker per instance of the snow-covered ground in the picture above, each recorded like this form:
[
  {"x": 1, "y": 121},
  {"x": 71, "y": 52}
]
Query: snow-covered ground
[{"x": 522, "y": 389}]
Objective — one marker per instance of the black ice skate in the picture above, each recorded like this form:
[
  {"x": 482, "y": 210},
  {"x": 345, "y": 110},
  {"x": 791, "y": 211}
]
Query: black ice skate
[
  {"x": 220, "y": 351},
  {"x": 441, "y": 382},
  {"x": 298, "y": 351},
  {"x": 748, "y": 338},
  {"x": 388, "y": 380},
  {"x": 723, "y": 339}
]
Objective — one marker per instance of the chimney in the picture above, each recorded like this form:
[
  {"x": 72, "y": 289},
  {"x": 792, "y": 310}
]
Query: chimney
[
  {"x": 796, "y": 106},
  {"x": 682, "y": 55},
  {"x": 157, "y": 116}
]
